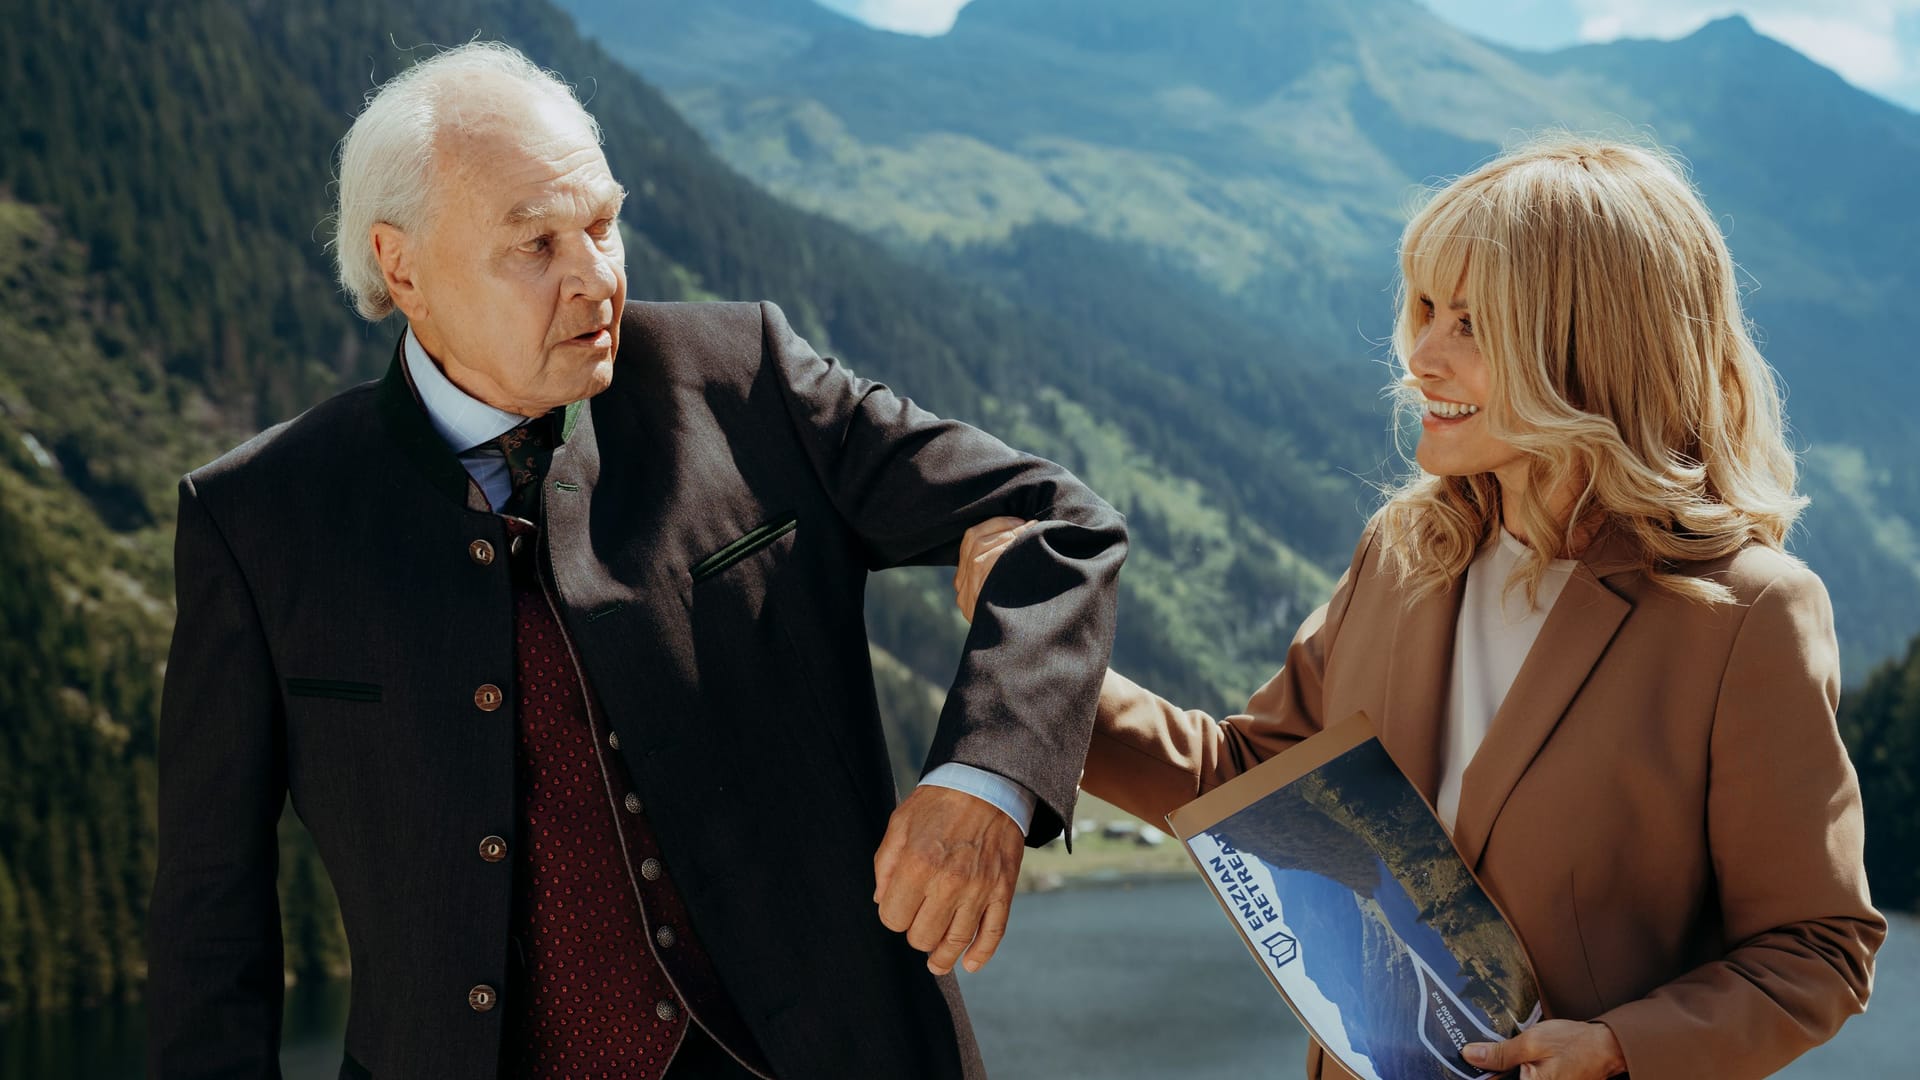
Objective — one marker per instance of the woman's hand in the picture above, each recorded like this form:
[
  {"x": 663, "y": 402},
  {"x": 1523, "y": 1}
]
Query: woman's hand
[
  {"x": 1554, "y": 1050},
  {"x": 979, "y": 550}
]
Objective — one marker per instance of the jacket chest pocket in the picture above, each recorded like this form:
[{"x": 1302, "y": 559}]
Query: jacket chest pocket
[
  {"x": 737, "y": 600},
  {"x": 746, "y": 546}
]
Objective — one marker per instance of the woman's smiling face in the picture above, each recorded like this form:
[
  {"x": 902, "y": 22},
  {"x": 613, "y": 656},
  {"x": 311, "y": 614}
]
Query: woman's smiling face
[{"x": 1453, "y": 378}]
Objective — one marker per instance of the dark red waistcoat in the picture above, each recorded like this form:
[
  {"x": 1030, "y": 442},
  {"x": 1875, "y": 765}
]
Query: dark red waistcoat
[{"x": 608, "y": 971}]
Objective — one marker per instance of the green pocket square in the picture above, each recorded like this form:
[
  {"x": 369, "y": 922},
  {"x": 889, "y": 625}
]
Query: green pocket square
[{"x": 753, "y": 541}]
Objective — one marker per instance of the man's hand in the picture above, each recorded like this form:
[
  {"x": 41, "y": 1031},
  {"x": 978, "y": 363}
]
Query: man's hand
[
  {"x": 945, "y": 873},
  {"x": 979, "y": 550},
  {"x": 1554, "y": 1050}
]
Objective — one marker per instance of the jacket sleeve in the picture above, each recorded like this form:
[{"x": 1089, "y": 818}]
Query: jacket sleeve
[
  {"x": 213, "y": 933},
  {"x": 1785, "y": 829},
  {"x": 1149, "y": 756},
  {"x": 909, "y": 485}
]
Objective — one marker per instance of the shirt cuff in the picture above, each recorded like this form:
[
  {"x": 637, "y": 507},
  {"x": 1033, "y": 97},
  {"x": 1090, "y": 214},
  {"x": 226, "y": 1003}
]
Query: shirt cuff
[{"x": 1013, "y": 800}]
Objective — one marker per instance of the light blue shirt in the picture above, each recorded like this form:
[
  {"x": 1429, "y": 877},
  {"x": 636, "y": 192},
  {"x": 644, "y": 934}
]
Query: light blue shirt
[{"x": 470, "y": 425}]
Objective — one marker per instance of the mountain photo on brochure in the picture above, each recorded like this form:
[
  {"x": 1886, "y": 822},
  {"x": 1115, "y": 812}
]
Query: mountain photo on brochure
[{"x": 1351, "y": 897}]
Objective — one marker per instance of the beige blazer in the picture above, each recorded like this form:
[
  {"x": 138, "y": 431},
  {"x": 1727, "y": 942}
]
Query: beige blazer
[{"x": 1662, "y": 805}]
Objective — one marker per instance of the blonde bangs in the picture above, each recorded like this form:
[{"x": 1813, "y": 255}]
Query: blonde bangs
[
  {"x": 1619, "y": 365},
  {"x": 1435, "y": 251}
]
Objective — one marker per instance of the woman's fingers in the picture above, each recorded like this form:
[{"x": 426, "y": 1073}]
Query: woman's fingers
[{"x": 980, "y": 549}]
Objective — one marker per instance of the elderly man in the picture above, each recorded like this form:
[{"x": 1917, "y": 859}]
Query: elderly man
[{"x": 554, "y": 636}]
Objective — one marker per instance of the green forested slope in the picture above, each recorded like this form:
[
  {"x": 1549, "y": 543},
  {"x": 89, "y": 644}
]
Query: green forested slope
[
  {"x": 164, "y": 292},
  {"x": 1881, "y": 723}
]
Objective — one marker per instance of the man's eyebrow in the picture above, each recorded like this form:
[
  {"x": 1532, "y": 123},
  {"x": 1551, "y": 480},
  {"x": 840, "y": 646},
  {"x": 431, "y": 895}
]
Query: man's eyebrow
[{"x": 533, "y": 210}]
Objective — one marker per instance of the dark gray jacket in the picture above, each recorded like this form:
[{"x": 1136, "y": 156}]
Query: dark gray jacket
[{"x": 335, "y": 626}]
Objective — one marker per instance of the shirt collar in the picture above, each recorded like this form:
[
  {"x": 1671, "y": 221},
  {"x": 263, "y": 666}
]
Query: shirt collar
[{"x": 463, "y": 420}]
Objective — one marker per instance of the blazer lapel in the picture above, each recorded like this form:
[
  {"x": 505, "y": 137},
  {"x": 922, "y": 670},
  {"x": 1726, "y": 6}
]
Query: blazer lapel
[
  {"x": 1571, "y": 642},
  {"x": 1418, "y": 670}
]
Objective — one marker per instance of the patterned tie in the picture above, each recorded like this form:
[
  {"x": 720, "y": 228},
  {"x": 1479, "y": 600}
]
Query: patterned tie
[{"x": 527, "y": 448}]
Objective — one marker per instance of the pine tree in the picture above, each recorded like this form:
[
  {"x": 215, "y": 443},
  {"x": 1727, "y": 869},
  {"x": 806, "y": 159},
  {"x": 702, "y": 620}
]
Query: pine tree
[
  {"x": 13, "y": 983},
  {"x": 1881, "y": 725},
  {"x": 93, "y": 970},
  {"x": 40, "y": 959}
]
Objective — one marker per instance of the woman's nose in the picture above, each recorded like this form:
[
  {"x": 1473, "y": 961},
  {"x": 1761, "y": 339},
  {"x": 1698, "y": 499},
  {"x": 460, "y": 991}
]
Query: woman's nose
[{"x": 1427, "y": 360}]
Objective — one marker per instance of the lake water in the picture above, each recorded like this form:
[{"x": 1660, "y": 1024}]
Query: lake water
[{"x": 1116, "y": 983}]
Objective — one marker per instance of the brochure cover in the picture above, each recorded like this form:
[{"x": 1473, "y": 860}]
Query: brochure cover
[{"x": 1350, "y": 895}]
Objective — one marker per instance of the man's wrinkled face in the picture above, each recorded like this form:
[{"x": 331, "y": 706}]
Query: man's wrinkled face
[{"x": 520, "y": 278}]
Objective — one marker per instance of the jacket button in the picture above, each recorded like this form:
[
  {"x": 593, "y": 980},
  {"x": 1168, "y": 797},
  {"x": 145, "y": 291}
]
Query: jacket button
[
  {"x": 481, "y": 552},
  {"x": 665, "y": 1009},
  {"x": 613, "y": 739},
  {"x": 633, "y": 803},
  {"x": 488, "y": 697},
  {"x": 518, "y": 544},
  {"x": 493, "y": 849},
  {"x": 666, "y": 937},
  {"x": 482, "y": 998},
  {"x": 650, "y": 869}
]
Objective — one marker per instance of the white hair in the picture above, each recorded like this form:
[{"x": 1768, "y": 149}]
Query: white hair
[{"x": 386, "y": 159}]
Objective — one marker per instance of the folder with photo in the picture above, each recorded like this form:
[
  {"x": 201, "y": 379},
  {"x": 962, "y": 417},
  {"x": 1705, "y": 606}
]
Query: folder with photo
[{"x": 1348, "y": 892}]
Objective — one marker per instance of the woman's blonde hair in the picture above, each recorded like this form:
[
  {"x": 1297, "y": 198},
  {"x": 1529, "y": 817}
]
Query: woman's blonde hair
[{"x": 1605, "y": 303}]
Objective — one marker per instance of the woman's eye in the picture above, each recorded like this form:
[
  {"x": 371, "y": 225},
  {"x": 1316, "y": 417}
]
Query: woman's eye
[{"x": 1466, "y": 326}]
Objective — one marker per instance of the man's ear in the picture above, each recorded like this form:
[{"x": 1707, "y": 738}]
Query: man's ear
[{"x": 395, "y": 250}]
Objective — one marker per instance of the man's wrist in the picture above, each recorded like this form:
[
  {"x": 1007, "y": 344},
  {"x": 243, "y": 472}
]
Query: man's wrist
[{"x": 1011, "y": 797}]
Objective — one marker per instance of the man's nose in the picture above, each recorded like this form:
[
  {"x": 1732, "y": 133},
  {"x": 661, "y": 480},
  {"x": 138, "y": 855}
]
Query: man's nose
[{"x": 596, "y": 274}]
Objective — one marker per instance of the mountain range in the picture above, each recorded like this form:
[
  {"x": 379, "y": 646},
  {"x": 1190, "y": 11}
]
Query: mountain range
[{"x": 1263, "y": 156}]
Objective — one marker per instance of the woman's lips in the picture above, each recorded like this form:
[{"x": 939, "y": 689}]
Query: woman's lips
[{"x": 1440, "y": 413}]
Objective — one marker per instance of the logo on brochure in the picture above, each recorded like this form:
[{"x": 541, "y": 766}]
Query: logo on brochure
[{"x": 1281, "y": 948}]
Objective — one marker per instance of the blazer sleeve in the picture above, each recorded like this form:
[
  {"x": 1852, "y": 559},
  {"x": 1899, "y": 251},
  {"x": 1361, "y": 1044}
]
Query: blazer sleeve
[
  {"x": 909, "y": 485},
  {"x": 213, "y": 932},
  {"x": 1785, "y": 829},
  {"x": 1150, "y": 757}
]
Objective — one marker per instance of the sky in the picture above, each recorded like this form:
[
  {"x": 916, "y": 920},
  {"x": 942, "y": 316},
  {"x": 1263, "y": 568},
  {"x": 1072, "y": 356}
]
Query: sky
[{"x": 1875, "y": 44}]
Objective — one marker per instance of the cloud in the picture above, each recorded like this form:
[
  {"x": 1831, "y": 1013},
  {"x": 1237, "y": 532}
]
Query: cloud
[
  {"x": 926, "y": 17},
  {"x": 1872, "y": 43}
]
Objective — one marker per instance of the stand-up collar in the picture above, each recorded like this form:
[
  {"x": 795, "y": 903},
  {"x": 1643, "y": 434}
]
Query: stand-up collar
[{"x": 463, "y": 420}]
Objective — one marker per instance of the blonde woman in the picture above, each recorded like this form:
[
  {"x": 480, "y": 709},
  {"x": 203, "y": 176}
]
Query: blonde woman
[{"x": 1580, "y": 635}]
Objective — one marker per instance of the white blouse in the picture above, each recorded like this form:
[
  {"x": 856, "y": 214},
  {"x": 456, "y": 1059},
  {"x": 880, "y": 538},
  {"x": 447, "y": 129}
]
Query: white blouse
[{"x": 1496, "y": 630}]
